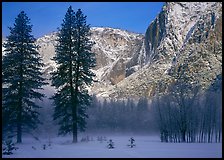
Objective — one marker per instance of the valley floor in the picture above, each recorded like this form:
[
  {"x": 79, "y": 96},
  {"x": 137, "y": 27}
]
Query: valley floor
[{"x": 146, "y": 147}]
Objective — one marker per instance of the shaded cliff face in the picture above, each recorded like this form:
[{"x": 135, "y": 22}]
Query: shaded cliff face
[
  {"x": 183, "y": 32},
  {"x": 173, "y": 26},
  {"x": 154, "y": 34}
]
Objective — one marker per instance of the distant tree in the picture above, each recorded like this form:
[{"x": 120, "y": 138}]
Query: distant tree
[
  {"x": 142, "y": 104},
  {"x": 75, "y": 61},
  {"x": 93, "y": 112},
  {"x": 184, "y": 92},
  {"x": 188, "y": 114},
  {"x": 130, "y": 104},
  {"x": 22, "y": 78},
  {"x": 141, "y": 113},
  {"x": 211, "y": 121},
  {"x": 160, "y": 118}
]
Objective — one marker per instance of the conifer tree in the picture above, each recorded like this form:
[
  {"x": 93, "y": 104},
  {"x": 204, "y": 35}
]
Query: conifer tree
[
  {"x": 22, "y": 78},
  {"x": 75, "y": 61}
]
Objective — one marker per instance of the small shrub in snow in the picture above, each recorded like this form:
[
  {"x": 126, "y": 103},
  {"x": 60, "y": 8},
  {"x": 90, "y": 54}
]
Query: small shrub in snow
[
  {"x": 44, "y": 147},
  {"x": 132, "y": 142},
  {"x": 8, "y": 147},
  {"x": 111, "y": 144},
  {"x": 34, "y": 148}
]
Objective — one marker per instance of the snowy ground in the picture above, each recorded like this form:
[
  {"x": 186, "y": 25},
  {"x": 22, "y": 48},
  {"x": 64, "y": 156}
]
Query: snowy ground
[{"x": 146, "y": 147}]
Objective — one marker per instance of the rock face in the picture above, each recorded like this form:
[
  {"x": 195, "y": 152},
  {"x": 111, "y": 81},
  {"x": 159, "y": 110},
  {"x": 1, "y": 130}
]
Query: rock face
[
  {"x": 47, "y": 50},
  {"x": 135, "y": 65},
  {"x": 174, "y": 25},
  {"x": 114, "y": 49},
  {"x": 182, "y": 33}
]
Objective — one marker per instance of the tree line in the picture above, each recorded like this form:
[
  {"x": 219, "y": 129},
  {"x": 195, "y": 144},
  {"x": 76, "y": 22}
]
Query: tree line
[
  {"x": 187, "y": 113},
  {"x": 109, "y": 115}
]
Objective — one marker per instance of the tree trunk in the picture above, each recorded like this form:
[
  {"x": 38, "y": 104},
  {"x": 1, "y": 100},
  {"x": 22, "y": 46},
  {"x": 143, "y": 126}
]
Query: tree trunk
[
  {"x": 219, "y": 135},
  {"x": 19, "y": 128},
  {"x": 74, "y": 127},
  {"x": 19, "y": 118},
  {"x": 73, "y": 97},
  {"x": 74, "y": 113},
  {"x": 74, "y": 109},
  {"x": 183, "y": 133},
  {"x": 19, "y": 109}
]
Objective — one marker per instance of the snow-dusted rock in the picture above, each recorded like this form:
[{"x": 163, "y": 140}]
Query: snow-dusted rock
[
  {"x": 132, "y": 65},
  {"x": 180, "y": 31},
  {"x": 114, "y": 49}
]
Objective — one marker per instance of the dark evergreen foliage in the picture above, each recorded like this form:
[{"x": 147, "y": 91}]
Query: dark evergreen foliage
[
  {"x": 75, "y": 61},
  {"x": 21, "y": 78}
]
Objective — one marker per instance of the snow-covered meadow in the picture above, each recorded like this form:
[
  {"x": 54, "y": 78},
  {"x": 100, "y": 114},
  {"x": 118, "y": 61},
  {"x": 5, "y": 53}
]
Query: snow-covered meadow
[{"x": 146, "y": 147}]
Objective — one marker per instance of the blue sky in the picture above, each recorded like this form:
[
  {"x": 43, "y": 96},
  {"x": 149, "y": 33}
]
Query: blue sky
[{"x": 46, "y": 17}]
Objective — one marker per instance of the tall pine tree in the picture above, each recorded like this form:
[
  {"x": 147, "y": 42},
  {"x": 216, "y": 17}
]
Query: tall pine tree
[
  {"x": 22, "y": 78},
  {"x": 75, "y": 61}
]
